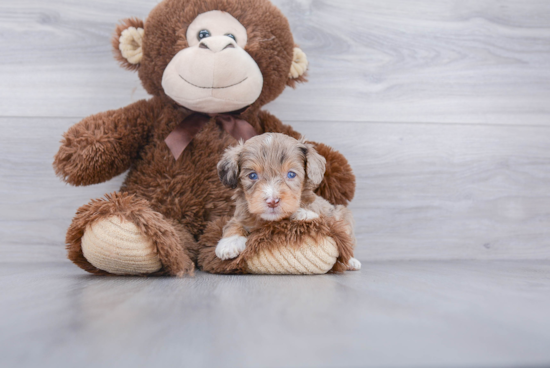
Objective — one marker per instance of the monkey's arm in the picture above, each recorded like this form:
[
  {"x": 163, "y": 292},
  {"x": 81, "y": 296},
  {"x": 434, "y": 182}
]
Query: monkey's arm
[
  {"x": 338, "y": 185},
  {"x": 103, "y": 145}
]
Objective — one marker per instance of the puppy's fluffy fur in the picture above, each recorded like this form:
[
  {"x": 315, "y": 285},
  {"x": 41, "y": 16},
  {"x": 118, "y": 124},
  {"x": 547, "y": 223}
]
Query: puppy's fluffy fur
[{"x": 275, "y": 176}]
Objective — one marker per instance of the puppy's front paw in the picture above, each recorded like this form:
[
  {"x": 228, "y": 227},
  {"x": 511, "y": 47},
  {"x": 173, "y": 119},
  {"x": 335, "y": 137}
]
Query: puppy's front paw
[
  {"x": 354, "y": 264},
  {"x": 230, "y": 247},
  {"x": 304, "y": 215}
]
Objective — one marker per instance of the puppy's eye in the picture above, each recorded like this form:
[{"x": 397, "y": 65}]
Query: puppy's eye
[
  {"x": 203, "y": 34},
  {"x": 231, "y": 36},
  {"x": 291, "y": 175},
  {"x": 253, "y": 176}
]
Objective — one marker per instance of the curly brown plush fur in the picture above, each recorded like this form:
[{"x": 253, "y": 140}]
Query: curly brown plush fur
[
  {"x": 173, "y": 242},
  {"x": 272, "y": 235},
  {"x": 336, "y": 175},
  {"x": 175, "y": 201},
  {"x": 207, "y": 259}
]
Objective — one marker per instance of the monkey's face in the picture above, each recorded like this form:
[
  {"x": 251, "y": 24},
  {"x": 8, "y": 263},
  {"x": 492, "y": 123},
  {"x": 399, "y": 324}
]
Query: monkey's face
[
  {"x": 214, "y": 74},
  {"x": 212, "y": 56}
]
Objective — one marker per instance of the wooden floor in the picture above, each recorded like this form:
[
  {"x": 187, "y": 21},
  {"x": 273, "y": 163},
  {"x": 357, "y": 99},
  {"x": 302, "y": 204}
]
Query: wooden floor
[
  {"x": 391, "y": 314},
  {"x": 442, "y": 108}
]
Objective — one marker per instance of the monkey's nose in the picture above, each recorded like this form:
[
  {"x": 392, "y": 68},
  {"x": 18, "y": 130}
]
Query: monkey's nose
[
  {"x": 217, "y": 43},
  {"x": 272, "y": 202}
]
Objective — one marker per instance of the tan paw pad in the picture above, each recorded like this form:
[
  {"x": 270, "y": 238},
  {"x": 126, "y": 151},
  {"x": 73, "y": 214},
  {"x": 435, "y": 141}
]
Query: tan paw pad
[
  {"x": 118, "y": 247},
  {"x": 311, "y": 258}
]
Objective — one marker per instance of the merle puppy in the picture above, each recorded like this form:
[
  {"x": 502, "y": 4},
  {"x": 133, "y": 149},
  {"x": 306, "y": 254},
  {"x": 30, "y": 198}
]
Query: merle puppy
[{"x": 275, "y": 176}]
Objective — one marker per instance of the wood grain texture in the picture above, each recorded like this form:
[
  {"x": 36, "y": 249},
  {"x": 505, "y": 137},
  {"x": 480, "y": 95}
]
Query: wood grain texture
[
  {"x": 390, "y": 314},
  {"x": 425, "y": 191},
  {"x": 475, "y": 61},
  {"x": 440, "y": 106}
]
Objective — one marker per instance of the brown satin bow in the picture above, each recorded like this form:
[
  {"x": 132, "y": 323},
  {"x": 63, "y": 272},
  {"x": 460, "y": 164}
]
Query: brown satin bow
[{"x": 191, "y": 125}]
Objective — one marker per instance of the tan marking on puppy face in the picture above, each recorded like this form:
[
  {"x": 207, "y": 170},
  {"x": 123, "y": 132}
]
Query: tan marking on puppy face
[{"x": 272, "y": 175}]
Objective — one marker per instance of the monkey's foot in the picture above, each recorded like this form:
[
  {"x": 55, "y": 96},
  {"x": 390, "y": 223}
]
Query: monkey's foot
[{"x": 118, "y": 247}]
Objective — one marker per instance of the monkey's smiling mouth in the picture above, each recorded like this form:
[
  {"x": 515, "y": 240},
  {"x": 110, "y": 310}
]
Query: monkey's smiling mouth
[{"x": 194, "y": 85}]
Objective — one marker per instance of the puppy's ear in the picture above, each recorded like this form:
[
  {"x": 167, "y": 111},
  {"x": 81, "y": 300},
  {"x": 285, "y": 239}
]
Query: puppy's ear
[
  {"x": 315, "y": 164},
  {"x": 228, "y": 167},
  {"x": 127, "y": 43}
]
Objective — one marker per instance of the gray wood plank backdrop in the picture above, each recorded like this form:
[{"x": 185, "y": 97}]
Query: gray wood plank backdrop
[{"x": 442, "y": 107}]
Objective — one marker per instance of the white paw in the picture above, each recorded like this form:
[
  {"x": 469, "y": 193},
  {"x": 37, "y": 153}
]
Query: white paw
[
  {"x": 354, "y": 264},
  {"x": 304, "y": 215},
  {"x": 230, "y": 247}
]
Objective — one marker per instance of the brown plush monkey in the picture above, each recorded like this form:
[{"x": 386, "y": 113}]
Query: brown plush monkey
[{"x": 210, "y": 66}]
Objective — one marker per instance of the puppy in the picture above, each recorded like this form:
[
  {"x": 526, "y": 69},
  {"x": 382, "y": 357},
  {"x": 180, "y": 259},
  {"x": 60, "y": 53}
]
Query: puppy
[{"x": 275, "y": 176}]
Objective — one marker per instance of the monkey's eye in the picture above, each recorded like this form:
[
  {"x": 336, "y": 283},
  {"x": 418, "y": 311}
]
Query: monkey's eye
[
  {"x": 291, "y": 175},
  {"x": 203, "y": 34},
  {"x": 231, "y": 36},
  {"x": 253, "y": 176}
]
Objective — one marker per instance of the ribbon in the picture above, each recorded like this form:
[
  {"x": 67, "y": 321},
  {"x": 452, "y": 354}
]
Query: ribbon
[{"x": 183, "y": 134}]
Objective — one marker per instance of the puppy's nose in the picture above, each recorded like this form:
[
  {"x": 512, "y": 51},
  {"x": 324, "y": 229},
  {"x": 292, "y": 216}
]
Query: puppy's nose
[{"x": 272, "y": 202}]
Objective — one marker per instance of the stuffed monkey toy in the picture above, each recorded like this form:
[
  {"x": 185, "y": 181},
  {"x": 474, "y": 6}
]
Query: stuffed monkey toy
[{"x": 210, "y": 66}]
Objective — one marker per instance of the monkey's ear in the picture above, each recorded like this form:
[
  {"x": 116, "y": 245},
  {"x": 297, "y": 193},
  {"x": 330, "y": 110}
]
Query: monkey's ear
[
  {"x": 228, "y": 167},
  {"x": 298, "y": 68},
  {"x": 127, "y": 43},
  {"x": 315, "y": 164}
]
